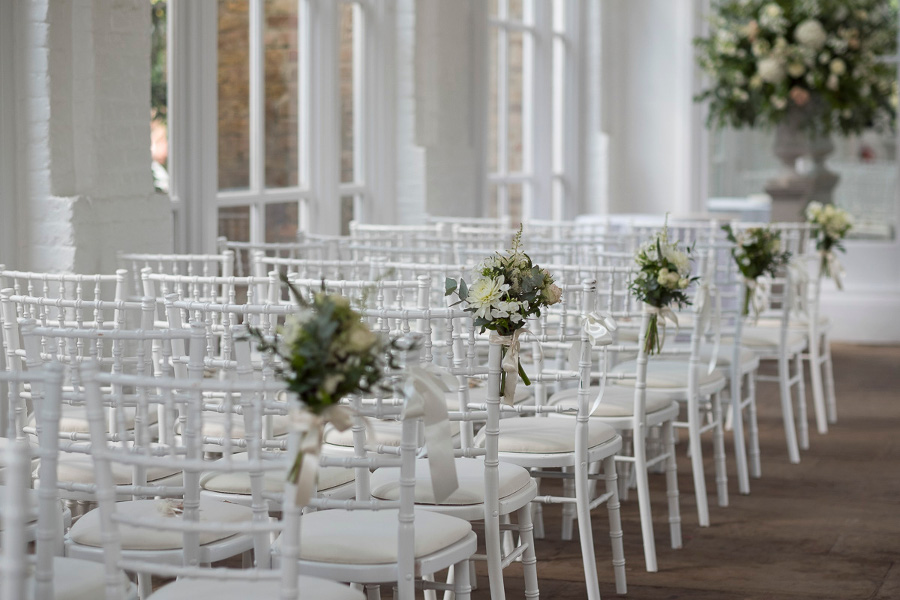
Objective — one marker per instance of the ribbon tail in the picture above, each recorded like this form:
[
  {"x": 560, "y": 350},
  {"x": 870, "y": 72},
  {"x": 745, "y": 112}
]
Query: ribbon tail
[
  {"x": 425, "y": 391},
  {"x": 307, "y": 465}
]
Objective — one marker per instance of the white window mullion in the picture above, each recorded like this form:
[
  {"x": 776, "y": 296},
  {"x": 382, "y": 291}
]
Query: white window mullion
[
  {"x": 257, "y": 117},
  {"x": 502, "y": 110},
  {"x": 537, "y": 111},
  {"x": 573, "y": 133},
  {"x": 361, "y": 96}
]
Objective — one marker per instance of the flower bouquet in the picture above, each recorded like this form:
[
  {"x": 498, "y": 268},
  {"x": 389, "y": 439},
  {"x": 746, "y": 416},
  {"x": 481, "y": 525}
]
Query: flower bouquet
[
  {"x": 768, "y": 57},
  {"x": 327, "y": 353},
  {"x": 830, "y": 226},
  {"x": 757, "y": 251},
  {"x": 665, "y": 273},
  {"x": 506, "y": 290}
]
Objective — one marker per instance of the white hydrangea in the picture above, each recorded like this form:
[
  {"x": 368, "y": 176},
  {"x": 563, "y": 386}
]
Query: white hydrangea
[
  {"x": 811, "y": 34},
  {"x": 771, "y": 70}
]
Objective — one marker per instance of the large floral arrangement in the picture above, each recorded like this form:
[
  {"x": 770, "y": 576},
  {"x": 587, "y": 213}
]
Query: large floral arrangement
[
  {"x": 327, "y": 352},
  {"x": 757, "y": 252},
  {"x": 665, "y": 273},
  {"x": 506, "y": 289},
  {"x": 766, "y": 57},
  {"x": 830, "y": 226}
]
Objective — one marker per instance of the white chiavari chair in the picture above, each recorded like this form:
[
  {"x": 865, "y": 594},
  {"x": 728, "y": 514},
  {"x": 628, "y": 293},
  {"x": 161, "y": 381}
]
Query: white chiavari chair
[
  {"x": 564, "y": 447},
  {"x": 304, "y": 247},
  {"x": 634, "y": 412},
  {"x": 37, "y": 515},
  {"x": 181, "y": 534},
  {"x": 345, "y": 542},
  {"x": 203, "y": 265}
]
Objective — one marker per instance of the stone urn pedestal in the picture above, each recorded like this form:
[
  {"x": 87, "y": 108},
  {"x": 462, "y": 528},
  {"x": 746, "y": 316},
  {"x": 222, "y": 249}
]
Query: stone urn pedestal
[{"x": 791, "y": 190}]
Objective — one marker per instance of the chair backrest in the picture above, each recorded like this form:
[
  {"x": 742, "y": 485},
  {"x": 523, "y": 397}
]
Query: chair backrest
[
  {"x": 46, "y": 385},
  {"x": 205, "y": 265},
  {"x": 241, "y": 404},
  {"x": 306, "y": 246}
]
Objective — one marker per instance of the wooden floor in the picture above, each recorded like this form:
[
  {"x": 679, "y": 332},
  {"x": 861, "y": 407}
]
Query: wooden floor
[{"x": 828, "y": 528}]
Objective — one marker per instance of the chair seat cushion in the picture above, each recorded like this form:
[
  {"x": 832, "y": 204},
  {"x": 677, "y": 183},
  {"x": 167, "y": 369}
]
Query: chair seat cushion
[
  {"x": 370, "y": 537},
  {"x": 310, "y": 587},
  {"x": 31, "y": 507},
  {"x": 666, "y": 374},
  {"x": 238, "y": 481},
  {"x": 478, "y": 395},
  {"x": 73, "y": 419},
  {"x": 79, "y": 468},
  {"x": 726, "y": 351},
  {"x": 385, "y": 432},
  {"x": 618, "y": 400},
  {"x": 385, "y": 482},
  {"x": 75, "y": 579},
  {"x": 214, "y": 425},
  {"x": 86, "y": 530},
  {"x": 766, "y": 340},
  {"x": 535, "y": 435},
  {"x": 34, "y": 451}
]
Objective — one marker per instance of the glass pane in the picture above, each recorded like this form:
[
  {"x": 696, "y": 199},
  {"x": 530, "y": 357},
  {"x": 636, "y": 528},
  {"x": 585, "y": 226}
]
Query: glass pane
[
  {"x": 493, "y": 200},
  {"x": 348, "y": 213},
  {"x": 234, "y": 95},
  {"x": 281, "y": 92},
  {"x": 514, "y": 203},
  {"x": 493, "y": 106},
  {"x": 345, "y": 72},
  {"x": 281, "y": 222},
  {"x": 515, "y": 100},
  {"x": 234, "y": 223},
  {"x": 517, "y": 10},
  {"x": 159, "y": 137}
]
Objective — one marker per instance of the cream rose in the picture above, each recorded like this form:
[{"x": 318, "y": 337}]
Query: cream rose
[{"x": 810, "y": 33}]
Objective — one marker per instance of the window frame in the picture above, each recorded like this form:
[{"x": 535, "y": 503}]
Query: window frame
[
  {"x": 551, "y": 109},
  {"x": 193, "y": 117}
]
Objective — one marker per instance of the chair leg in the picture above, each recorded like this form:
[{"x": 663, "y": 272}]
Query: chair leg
[
  {"x": 585, "y": 533},
  {"x": 537, "y": 513},
  {"x": 672, "y": 486},
  {"x": 643, "y": 490},
  {"x": 568, "y": 510},
  {"x": 429, "y": 594},
  {"x": 753, "y": 426},
  {"x": 818, "y": 391},
  {"x": 697, "y": 461},
  {"x": 461, "y": 585},
  {"x": 144, "y": 585},
  {"x": 615, "y": 524},
  {"x": 787, "y": 410},
  {"x": 373, "y": 592},
  {"x": 802, "y": 419},
  {"x": 719, "y": 451},
  {"x": 737, "y": 427},
  {"x": 529, "y": 558},
  {"x": 829, "y": 382}
]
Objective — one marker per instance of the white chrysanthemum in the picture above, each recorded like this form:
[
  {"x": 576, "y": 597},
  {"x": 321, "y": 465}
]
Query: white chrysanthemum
[
  {"x": 771, "y": 70},
  {"x": 484, "y": 293},
  {"x": 810, "y": 33},
  {"x": 681, "y": 260}
]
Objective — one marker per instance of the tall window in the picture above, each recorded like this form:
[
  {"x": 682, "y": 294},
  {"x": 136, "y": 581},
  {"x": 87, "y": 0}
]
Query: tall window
[{"x": 532, "y": 85}]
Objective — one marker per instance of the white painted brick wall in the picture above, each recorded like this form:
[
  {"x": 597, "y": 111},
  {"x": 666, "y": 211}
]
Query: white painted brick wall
[{"x": 83, "y": 86}]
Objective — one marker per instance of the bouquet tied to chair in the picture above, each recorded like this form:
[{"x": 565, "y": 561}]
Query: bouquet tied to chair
[
  {"x": 757, "y": 251},
  {"x": 327, "y": 353},
  {"x": 506, "y": 290},
  {"x": 665, "y": 274},
  {"x": 830, "y": 226}
]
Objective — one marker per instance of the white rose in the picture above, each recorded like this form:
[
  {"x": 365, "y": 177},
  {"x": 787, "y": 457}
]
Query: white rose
[
  {"x": 663, "y": 277},
  {"x": 796, "y": 69},
  {"x": 683, "y": 283},
  {"x": 771, "y": 70},
  {"x": 810, "y": 33},
  {"x": 832, "y": 83},
  {"x": 838, "y": 66},
  {"x": 778, "y": 102}
]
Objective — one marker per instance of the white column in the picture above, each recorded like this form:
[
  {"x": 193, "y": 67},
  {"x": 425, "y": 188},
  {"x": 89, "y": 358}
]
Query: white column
[
  {"x": 8, "y": 236},
  {"x": 648, "y": 111},
  {"x": 84, "y": 185}
]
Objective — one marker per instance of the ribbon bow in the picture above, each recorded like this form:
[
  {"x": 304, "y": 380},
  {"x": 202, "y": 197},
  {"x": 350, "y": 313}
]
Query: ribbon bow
[
  {"x": 800, "y": 278},
  {"x": 658, "y": 317},
  {"x": 311, "y": 428},
  {"x": 424, "y": 390},
  {"x": 832, "y": 267},
  {"x": 757, "y": 294},
  {"x": 599, "y": 328},
  {"x": 708, "y": 317},
  {"x": 510, "y": 364}
]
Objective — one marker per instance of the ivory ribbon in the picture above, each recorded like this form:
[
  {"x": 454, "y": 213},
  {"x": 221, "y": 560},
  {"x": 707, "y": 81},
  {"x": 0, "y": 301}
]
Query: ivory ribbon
[
  {"x": 800, "y": 279},
  {"x": 424, "y": 391},
  {"x": 710, "y": 318},
  {"x": 832, "y": 266},
  {"x": 599, "y": 328},
  {"x": 759, "y": 293},
  {"x": 510, "y": 362},
  {"x": 312, "y": 432},
  {"x": 664, "y": 313}
]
